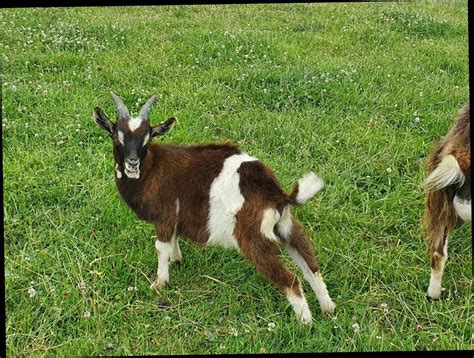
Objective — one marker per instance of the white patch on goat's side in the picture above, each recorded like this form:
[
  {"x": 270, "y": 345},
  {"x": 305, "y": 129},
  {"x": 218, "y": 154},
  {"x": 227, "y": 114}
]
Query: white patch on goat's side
[
  {"x": 315, "y": 281},
  {"x": 285, "y": 224},
  {"x": 118, "y": 173},
  {"x": 270, "y": 218},
  {"x": 134, "y": 123},
  {"x": 446, "y": 173},
  {"x": 434, "y": 288},
  {"x": 177, "y": 206},
  {"x": 145, "y": 141},
  {"x": 308, "y": 185},
  {"x": 225, "y": 201},
  {"x": 121, "y": 137},
  {"x": 463, "y": 208},
  {"x": 300, "y": 306}
]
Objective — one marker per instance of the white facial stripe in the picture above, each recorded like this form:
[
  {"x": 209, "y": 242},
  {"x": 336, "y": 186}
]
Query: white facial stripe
[
  {"x": 145, "y": 141},
  {"x": 121, "y": 137},
  {"x": 225, "y": 201},
  {"x": 134, "y": 123},
  {"x": 270, "y": 218}
]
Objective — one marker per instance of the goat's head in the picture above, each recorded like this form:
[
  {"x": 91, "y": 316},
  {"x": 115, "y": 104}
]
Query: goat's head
[{"x": 131, "y": 135}]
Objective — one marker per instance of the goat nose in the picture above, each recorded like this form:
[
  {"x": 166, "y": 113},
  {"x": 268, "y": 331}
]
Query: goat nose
[{"x": 133, "y": 161}]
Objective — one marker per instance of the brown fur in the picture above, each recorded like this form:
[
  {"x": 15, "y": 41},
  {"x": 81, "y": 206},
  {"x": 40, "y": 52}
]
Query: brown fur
[
  {"x": 152, "y": 197},
  {"x": 440, "y": 217}
]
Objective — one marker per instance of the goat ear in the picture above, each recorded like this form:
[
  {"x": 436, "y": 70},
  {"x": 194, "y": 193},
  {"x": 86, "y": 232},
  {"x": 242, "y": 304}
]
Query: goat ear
[
  {"x": 163, "y": 128},
  {"x": 103, "y": 121}
]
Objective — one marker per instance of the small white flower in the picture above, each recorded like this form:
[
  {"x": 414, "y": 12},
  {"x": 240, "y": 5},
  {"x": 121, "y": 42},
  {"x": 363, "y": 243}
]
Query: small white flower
[
  {"x": 271, "y": 327},
  {"x": 32, "y": 292},
  {"x": 82, "y": 285},
  {"x": 356, "y": 327},
  {"x": 389, "y": 170},
  {"x": 132, "y": 288},
  {"x": 234, "y": 331},
  {"x": 378, "y": 337},
  {"x": 86, "y": 314}
]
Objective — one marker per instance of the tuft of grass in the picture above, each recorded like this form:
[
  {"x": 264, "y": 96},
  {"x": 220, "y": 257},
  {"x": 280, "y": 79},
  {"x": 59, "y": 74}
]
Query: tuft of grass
[{"x": 357, "y": 93}]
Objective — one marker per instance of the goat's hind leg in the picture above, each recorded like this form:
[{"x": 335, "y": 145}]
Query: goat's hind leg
[
  {"x": 439, "y": 256},
  {"x": 262, "y": 253},
  {"x": 300, "y": 250}
]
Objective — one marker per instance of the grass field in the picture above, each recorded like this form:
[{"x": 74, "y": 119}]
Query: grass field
[{"x": 357, "y": 93}]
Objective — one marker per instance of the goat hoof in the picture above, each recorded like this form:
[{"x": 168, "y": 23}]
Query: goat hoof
[
  {"x": 433, "y": 294},
  {"x": 328, "y": 307},
  {"x": 178, "y": 259},
  {"x": 158, "y": 284},
  {"x": 305, "y": 318}
]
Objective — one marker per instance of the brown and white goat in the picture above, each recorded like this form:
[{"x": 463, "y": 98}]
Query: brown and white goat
[
  {"x": 448, "y": 194},
  {"x": 213, "y": 194}
]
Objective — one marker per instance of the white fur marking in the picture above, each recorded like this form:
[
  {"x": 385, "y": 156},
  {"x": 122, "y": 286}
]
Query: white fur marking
[
  {"x": 121, "y": 137},
  {"x": 315, "y": 281},
  {"x": 176, "y": 254},
  {"x": 118, "y": 173},
  {"x": 446, "y": 173},
  {"x": 164, "y": 249},
  {"x": 225, "y": 201},
  {"x": 145, "y": 141},
  {"x": 285, "y": 224},
  {"x": 463, "y": 208},
  {"x": 434, "y": 288},
  {"x": 134, "y": 123},
  {"x": 270, "y": 218},
  {"x": 308, "y": 185},
  {"x": 300, "y": 306}
]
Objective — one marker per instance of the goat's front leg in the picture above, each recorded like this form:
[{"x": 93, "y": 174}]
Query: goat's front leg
[
  {"x": 176, "y": 253},
  {"x": 167, "y": 248}
]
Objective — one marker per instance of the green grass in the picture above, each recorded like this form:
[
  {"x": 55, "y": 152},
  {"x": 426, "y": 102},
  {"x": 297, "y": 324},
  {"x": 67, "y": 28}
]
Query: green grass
[{"x": 356, "y": 92}]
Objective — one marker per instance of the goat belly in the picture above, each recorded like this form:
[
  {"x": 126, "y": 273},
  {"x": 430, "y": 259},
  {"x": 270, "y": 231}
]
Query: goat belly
[
  {"x": 463, "y": 208},
  {"x": 225, "y": 201}
]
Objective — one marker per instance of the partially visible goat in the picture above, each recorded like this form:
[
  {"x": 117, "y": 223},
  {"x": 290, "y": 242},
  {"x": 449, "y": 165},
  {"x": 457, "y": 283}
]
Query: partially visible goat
[
  {"x": 448, "y": 194},
  {"x": 213, "y": 194}
]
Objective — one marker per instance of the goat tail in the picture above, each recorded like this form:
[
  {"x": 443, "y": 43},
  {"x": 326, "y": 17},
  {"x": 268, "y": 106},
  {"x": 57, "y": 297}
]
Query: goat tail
[
  {"x": 439, "y": 217},
  {"x": 446, "y": 173},
  {"x": 306, "y": 188}
]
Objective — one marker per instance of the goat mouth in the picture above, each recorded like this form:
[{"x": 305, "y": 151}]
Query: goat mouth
[{"x": 132, "y": 172}]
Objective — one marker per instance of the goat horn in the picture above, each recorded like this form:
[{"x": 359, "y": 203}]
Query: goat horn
[
  {"x": 145, "y": 111},
  {"x": 122, "y": 110}
]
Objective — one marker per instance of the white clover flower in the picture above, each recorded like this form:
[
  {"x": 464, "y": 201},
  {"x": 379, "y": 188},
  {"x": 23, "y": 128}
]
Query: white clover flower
[
  {"x": 271, "y": 326},
  {"x": 234, "y": 331},
  {"x": 32, "y": 292},
  {"x": 86, "y": 314},
  {"x": 356, "y": 327}
]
